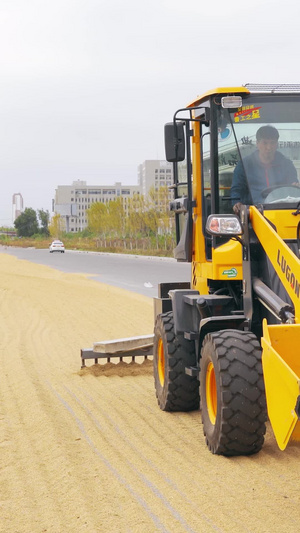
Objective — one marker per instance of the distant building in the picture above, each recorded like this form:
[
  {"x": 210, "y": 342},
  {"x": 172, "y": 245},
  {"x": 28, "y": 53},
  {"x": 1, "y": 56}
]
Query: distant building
[
  {"x": 72, "y": 201},
  {"x": 155, "y": 173},
  {"x": 17, "y": 205}
]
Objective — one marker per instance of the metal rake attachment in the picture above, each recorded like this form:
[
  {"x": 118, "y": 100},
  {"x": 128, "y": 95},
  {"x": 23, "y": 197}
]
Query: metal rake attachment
[{"x": 129, "y": 347}]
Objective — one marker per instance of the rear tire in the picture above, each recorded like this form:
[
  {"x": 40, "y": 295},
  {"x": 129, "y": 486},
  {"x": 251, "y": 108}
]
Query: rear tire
[
  {"x": 232, "y": 393},
  {"x": 175, "y": 390}
]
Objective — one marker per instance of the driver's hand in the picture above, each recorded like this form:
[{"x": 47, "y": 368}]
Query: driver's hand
[{"x": 237, "y": 207}]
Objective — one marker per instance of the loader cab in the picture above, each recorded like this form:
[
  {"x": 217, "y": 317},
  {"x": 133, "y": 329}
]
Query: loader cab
[
  {"x": 202, "y": 176},
  {"x": 210, "y": 141}
]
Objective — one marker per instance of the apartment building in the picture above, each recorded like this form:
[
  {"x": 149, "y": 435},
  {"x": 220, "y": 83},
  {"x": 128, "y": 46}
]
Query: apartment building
[
  {"x": 155, "y": 173},
  {"x": 72, "y": 201}
]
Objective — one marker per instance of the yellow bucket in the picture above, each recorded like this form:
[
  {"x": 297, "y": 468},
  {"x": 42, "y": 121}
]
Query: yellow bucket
[{"x": 281, "y": 368}]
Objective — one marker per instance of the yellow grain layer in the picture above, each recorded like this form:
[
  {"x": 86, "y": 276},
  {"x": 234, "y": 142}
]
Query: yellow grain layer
[{"x": 89, "y": 450}]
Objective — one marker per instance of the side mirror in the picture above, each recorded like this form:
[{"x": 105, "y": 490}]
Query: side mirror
[
  {"x": 174, "y": 142},
  {"x": 179, "y": 205}
]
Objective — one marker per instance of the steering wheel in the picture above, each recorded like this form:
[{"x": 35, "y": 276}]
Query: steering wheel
[{"x": 290, "y": 186}]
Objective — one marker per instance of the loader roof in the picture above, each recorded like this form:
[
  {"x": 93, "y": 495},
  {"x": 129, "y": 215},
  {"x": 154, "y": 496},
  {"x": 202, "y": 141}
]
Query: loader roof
[{"x": 249, "y": 88}]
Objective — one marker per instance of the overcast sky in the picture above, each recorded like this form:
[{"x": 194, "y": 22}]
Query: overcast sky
[{"x": 87, "y": 85}]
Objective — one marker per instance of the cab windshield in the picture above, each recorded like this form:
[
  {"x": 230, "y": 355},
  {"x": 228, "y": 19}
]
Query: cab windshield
[{"x": 259, "y": 152}]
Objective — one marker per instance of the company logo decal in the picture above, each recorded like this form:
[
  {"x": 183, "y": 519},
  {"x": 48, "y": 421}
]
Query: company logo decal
[
  {"x": 247, "y": 113},
  {"x": 231, "y": 273},
  {"x": 290, "y": 276},
  {"x": 224, "y": 134}
]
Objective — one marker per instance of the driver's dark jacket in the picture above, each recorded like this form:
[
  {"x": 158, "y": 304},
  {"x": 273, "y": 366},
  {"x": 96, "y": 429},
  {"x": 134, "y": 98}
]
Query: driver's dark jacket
[{"x": 260, "y": 177}]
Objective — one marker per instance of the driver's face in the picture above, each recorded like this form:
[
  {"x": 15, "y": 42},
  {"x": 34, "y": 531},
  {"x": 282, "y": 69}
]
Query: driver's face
[{"x": 267, "y": 149}]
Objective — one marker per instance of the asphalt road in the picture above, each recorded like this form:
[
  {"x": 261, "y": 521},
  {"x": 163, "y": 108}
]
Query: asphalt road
[{"x": 131, "y": 272}]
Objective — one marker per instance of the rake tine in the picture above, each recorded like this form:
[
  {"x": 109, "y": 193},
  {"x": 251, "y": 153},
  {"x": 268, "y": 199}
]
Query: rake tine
[{"x": 119, "y": 348}]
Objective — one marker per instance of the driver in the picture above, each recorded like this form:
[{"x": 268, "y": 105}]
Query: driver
[{"x": 265, "y": 168}]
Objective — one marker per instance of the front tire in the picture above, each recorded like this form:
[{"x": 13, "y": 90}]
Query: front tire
[
  {"x": 175, "y": 390},
  {"x": 232, "y": 393}
]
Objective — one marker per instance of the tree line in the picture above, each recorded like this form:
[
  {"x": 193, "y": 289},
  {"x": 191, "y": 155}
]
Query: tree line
[
  {"x": 31, "y": 222},
  {"x": 139, "y": 218}
]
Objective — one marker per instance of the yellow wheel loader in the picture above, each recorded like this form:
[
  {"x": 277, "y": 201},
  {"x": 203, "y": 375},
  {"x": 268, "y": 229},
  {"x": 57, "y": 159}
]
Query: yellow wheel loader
[{"x": 229, "y": 340}]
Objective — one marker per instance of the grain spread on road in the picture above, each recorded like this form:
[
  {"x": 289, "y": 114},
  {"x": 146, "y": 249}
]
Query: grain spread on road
[{"x": 89, "y": 450}]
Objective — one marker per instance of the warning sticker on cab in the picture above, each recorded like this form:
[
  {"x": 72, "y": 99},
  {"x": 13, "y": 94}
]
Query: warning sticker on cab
[
  {"x": 247, "y": 113},
  {"x": 230, "y": 273}
]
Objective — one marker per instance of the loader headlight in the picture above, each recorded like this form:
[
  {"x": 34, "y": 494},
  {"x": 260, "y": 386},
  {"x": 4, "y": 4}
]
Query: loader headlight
[
  {"x": 232, "y": 102},
  {"x": 224, "y": 225}
]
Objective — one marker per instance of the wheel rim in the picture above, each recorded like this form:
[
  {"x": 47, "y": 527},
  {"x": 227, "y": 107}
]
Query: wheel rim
[
  {"x": 161, "y": 362},
  {"x": 211, "y": 393}
]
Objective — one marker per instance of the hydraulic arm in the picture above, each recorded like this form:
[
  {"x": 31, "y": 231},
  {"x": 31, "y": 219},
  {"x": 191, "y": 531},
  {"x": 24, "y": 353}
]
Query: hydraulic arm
[{"x": 280, "y": 342}]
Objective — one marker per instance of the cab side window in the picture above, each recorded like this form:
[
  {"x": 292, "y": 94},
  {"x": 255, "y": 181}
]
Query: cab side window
[
  {"x": 206, "y": 161},
  {"x": 206, "y": 169},
  {"x": 227, "y": 160}
]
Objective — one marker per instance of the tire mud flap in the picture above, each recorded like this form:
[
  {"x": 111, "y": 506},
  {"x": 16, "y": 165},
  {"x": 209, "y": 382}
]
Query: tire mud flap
[{"x": 281, "y": 368}]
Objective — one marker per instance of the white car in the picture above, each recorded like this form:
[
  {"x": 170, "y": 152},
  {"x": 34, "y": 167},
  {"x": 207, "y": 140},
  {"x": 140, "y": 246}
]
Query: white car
[{"x": 57, "y": 246}]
